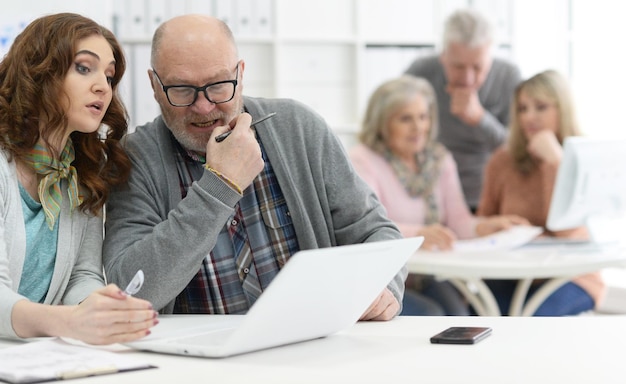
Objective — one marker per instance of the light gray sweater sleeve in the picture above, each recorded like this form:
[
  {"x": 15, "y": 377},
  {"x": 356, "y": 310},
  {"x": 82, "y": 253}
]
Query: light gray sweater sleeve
[
  {"x": 149, "y": 227},
  {"x": 78, "y": 267},
  {"x": 12, "y": 244}
]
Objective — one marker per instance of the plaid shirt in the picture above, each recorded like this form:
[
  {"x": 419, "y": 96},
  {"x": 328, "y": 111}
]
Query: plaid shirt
[{"x": 260, "y": 224}]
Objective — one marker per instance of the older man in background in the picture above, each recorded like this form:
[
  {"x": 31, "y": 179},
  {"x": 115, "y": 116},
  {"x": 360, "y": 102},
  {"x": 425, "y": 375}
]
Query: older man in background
[{"x": 474, "y": 92}]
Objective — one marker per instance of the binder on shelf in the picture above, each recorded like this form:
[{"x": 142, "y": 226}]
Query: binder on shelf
[
  {"x": 137, "y": 20},
  {"x": 225, "y": 11},
  {"x": 156, "y": 14},
  {"x": 262, "y": 18},
  {"x": 121, "y": 18},
  {"x": 244, "y": 17}
]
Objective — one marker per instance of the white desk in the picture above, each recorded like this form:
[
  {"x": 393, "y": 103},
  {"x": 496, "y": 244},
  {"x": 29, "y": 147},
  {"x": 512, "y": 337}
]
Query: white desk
[
  {"x": 583, "y": 349},
  {"x": 559, "y": 264}
]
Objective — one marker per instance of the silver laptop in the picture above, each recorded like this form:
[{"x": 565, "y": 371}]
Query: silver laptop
[{"x": 317, "y": 293}]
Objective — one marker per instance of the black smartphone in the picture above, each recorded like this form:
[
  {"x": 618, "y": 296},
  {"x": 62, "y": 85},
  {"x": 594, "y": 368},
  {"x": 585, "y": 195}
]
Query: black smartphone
[{"x": 461, "y": 335}]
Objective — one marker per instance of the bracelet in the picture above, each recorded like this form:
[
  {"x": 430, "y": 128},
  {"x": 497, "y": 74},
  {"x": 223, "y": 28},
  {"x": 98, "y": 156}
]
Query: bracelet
[{"x": 228, "y": 181}]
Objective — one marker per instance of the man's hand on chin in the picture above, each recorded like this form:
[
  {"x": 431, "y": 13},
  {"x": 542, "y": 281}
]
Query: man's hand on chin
[{"x": 465, "y": 105}]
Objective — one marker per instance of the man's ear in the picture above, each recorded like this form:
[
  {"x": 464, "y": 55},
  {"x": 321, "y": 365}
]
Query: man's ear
[
  {"x": 153, "y": 82},
  {"x": 242, "y": 70}
]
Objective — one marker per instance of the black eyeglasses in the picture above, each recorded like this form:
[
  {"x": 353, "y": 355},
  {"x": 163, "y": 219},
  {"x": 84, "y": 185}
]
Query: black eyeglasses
[{"x": 186, "y": 95}]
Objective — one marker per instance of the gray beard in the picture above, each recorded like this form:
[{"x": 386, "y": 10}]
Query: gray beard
[
  {"x": 195, "y": 143},
  {"x": 190, "y": 142}
]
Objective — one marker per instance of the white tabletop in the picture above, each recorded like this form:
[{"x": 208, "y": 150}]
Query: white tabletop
[
  {"x": 467, "y": 270},
  {"x": 584, "y": 349},
  {"x": 525, "y": 262}
]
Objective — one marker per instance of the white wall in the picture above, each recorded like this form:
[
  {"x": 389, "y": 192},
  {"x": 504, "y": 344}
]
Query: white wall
[
  {"x": 599, "y": 66},
  {"x": 586, "y": 44},
  {"x": 541, "y": 38}
]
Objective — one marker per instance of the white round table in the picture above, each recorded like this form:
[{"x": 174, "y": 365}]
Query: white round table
[{"x": 556, "y": 263}]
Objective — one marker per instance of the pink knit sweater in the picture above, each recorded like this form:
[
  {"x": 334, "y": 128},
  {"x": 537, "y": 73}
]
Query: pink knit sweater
[{"x": 406, "y": 211}]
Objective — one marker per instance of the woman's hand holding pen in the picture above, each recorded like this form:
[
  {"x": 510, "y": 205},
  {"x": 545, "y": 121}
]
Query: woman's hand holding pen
[
  {"x": 106, "y": 316},
  {"x": 109, "y": 316},
  {"x": 239, "y": 156}
]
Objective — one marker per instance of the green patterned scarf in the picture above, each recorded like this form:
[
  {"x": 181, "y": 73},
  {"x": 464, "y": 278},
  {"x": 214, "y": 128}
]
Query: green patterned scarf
[
  {"x": 54, "y": 171},
  {"x": 422, "y": 182}
]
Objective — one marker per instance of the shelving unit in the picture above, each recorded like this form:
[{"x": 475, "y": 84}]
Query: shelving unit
[{"x": 329, "y": 54}]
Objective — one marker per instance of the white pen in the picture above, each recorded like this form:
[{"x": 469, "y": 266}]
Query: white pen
[{"x": 135, "y": 284}]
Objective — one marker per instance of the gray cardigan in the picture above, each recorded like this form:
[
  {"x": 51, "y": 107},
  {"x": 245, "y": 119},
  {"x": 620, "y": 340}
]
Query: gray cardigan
[
  {"x": 148, "y": 226},
  {"x": 78, "y": 265}
]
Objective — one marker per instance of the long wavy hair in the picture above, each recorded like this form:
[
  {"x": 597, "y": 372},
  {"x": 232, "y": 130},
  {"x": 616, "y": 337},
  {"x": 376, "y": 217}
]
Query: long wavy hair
[
  {"x": 548, "y": 86},
  {"x": 32, "y": 75}
]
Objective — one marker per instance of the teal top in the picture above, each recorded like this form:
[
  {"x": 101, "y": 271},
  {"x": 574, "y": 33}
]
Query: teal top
[{"x": 41, "y": 250}]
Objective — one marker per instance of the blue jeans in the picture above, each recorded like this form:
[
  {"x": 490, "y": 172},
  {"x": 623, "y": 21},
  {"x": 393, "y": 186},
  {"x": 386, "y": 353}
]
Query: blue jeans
[
  {"x": 416, "y": 304},
  {"x": 436, "y": 298},
  {"x": 568, "y": 300}
]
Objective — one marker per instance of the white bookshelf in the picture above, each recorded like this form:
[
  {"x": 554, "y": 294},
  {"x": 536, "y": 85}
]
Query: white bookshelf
[{"x": 329, "y": 54}]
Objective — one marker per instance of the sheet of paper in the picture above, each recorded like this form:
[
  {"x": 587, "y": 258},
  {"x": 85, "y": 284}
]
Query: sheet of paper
[
  {"x": 500, "y": 241},
  {"x": 55, "y": 359}
]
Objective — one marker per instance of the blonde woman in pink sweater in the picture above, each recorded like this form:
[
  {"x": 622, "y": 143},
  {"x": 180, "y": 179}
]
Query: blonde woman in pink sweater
[{"x": 416, "y": 180}]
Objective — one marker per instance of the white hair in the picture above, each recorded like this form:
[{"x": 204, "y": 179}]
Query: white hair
[{"x": 468, "y": 27}]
